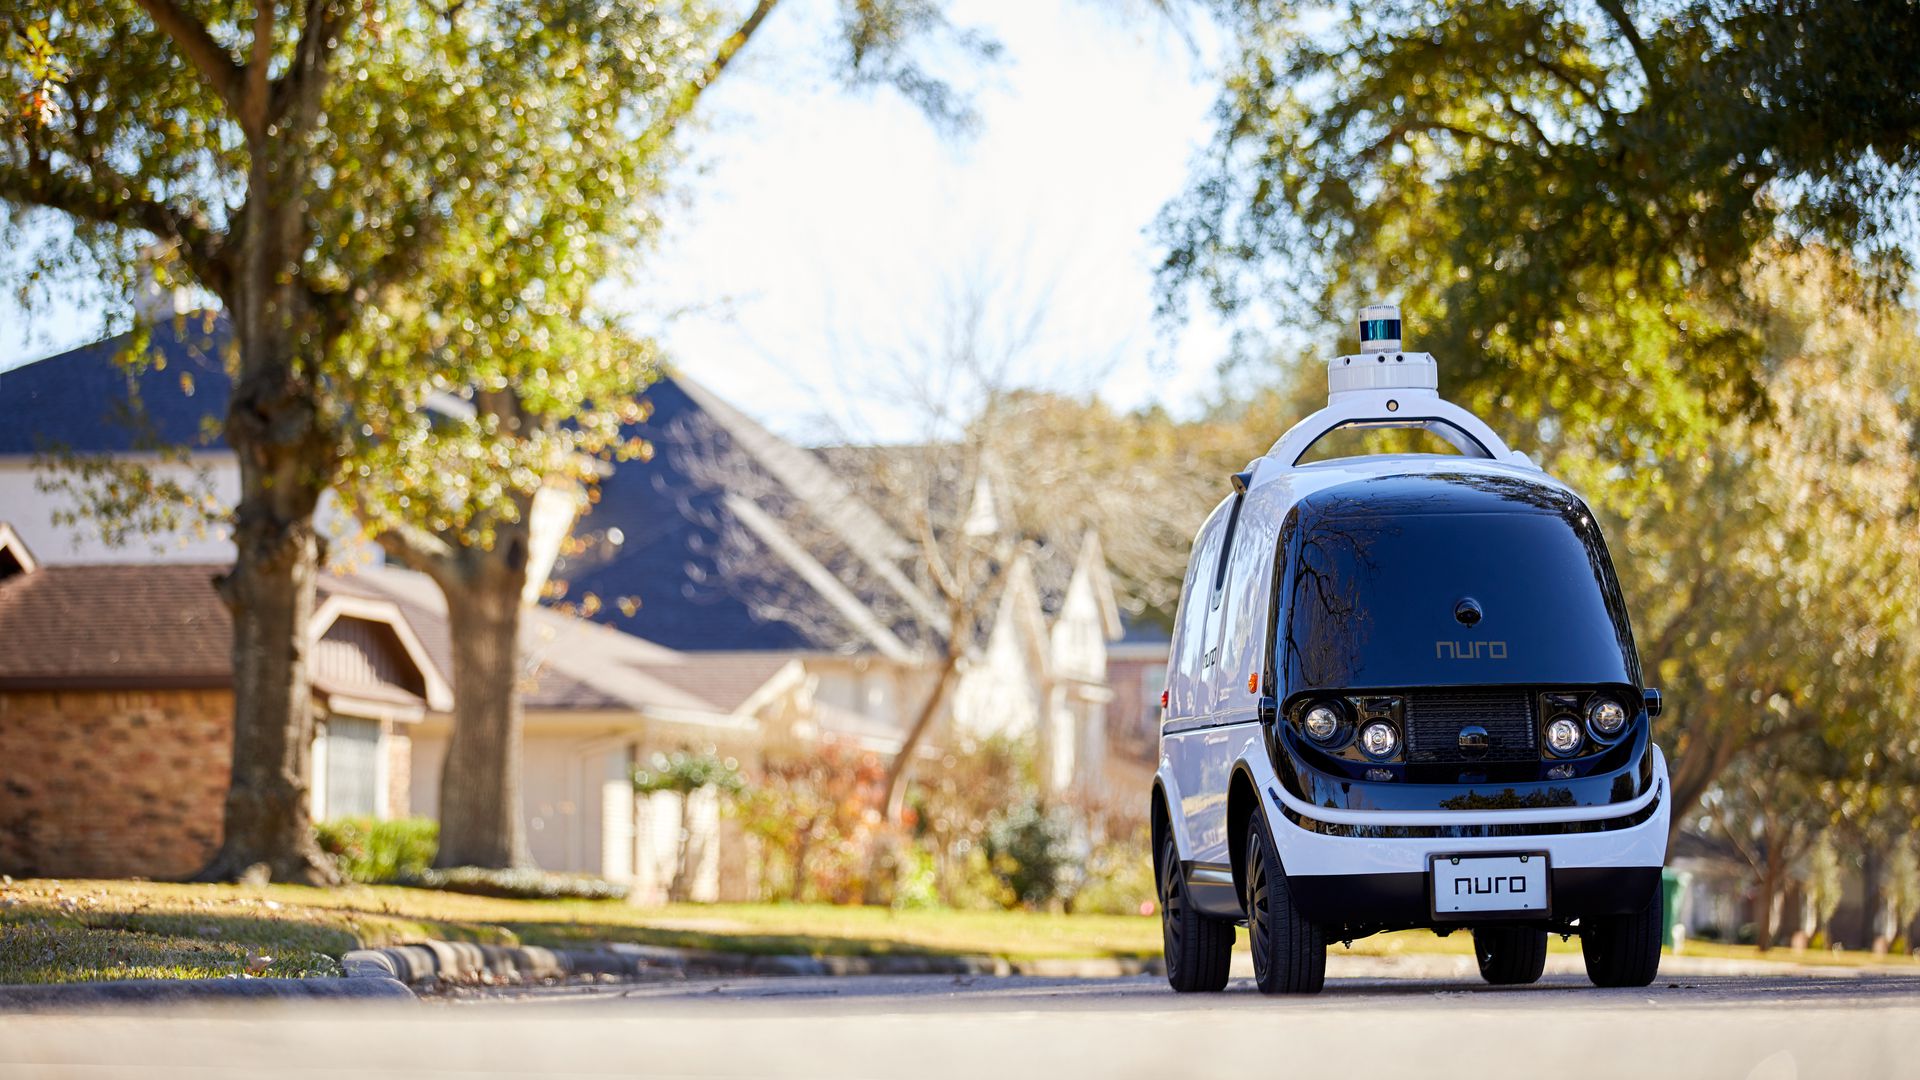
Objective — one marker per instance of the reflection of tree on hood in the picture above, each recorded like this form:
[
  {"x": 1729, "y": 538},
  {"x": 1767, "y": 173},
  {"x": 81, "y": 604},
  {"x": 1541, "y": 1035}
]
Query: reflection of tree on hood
[{"x": 1329, "y": 558}]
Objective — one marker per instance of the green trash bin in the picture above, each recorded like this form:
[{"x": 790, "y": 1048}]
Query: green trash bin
[{"x": 1673, "y": 887}]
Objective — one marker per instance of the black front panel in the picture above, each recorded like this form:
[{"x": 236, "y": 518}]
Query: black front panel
[
  {"x": 1367, "y": 903},
  {"x": 1446, "y": 580},
  {"x": 1436, "y": 719}
]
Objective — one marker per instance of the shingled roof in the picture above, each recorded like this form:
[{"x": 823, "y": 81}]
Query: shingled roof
[
  {"x": 158, "y": 626},
  {"x": 145, "y": 626},
  {"x": 89, "y": 401},
  {"x": 720, "y": 487}
]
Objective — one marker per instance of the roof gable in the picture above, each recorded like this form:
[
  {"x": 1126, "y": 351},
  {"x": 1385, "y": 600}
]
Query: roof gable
[
  {"x": 14, "y": 556},
  {"x": 381, "y": 626}
]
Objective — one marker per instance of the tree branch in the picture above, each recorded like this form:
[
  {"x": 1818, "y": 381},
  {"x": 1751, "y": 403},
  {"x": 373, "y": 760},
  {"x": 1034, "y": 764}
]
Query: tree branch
[
  {"x": 418, "y": 549},
  {"x": 684, "y": 102},
  {"x": 1649, "y": 67},
  {"x": 106, "y": 198},
  {"x": 298, "y": 88},
  {"x": 257, "y": 97},
  {"x": 207, "y": 56}
]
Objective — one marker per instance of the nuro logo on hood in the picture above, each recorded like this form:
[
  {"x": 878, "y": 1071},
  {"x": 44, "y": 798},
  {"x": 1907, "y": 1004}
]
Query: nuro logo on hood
[{"x": 1469, "y": 650}]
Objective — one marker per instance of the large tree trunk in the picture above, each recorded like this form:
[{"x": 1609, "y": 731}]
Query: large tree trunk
[
  {"x": 481, "y": 819},
  {"x": 270, "y": 595},
  {"x": 270, "y": 592},
  {"x": 288, "y": 457}
]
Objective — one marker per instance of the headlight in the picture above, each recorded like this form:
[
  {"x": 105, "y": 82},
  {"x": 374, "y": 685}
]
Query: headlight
[
  {"x": 1379, "y": 739},
  {"x": 1563, "y": 735},
  {"x": 1606, "y": 715},
  {"x": 1321, "y": 723}
]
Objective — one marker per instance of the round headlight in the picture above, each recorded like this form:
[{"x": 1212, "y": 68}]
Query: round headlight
[
  {"x": 1606, "y": 715},
  {"x": 1321, "y": 723},
  {"x": 1563, "y": 735},
  {"x": 1379, "y": 739}
]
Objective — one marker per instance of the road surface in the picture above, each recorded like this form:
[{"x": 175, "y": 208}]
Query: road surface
[{"x": 1744, "y": 1028}]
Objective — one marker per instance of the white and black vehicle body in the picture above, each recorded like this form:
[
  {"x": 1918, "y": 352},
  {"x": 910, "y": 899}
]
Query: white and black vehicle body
[{"x": 1403, "y": 693}]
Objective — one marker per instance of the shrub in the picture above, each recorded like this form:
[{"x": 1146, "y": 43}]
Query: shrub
[
  {"x": 812, "y": 813},
  {"x": 1032, "y": 851},
  {"x": 1119, "y": 877},
  {"x": 373, "y": 851},
  {"x": 526, "y": 884}
]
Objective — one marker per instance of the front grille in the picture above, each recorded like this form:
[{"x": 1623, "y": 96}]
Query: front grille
[{"x": 1435, "y": 717}]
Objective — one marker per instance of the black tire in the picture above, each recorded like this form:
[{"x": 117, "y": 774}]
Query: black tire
[
  {"x": 1623, "y": 950},
  {"x": 1510, "y": 955},
  {"x": 1289, "y": 952},
  {"x": 1198, "y": 948}
]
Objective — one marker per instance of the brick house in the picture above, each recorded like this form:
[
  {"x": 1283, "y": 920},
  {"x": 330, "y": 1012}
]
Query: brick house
[{"x": 116, "y": 713}]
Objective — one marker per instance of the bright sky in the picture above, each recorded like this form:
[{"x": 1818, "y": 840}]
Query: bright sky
[{"x": 821, "y": 228}]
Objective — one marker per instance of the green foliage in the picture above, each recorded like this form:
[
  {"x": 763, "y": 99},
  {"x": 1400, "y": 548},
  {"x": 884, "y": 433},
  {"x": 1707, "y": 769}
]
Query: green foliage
[
  {"x": 1034, "y": 851},
  {"x": 1561, "y": 196},
  {"x": 376, "y": 851},
  {"x": 522, "y": 884},
  {"x": 952, "y": 805},
  {"x": 1119, "y": 877},
  {"x": 684, "y": 773}
]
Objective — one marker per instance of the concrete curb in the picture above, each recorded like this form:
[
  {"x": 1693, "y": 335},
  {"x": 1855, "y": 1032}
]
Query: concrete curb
[
  {"x": 190, "y": 991},
  {"x": 451, "y": 962}
]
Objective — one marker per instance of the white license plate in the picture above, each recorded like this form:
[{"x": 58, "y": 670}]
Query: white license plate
[{"x": 1489, "y": 884}]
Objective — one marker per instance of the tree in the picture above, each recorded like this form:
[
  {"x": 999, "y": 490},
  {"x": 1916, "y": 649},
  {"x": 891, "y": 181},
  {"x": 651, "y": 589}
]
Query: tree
[
  {"x": 1653, "y": 247},
  {"x": 366, "y": 187},
  {"x": 1769, "y": 809},
  {"x": 303, "y": 200},
  {"x": 551, "y": 388},
  {"x": 1565, "y": 197},
  {"x": 1768, "y": 571}
]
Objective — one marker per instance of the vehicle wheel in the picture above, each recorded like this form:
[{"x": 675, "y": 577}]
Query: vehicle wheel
[
  {"x": 1623, "y": 950},
  {"x": 1289, "y": 952},
  {"x": 1510, "y": 955},
  {"x": 1198, "y": 948}
]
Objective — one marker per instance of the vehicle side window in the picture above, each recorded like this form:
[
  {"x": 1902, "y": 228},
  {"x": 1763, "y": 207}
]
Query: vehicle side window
[
  {"x": 1190, "y": 643},
  {"x": 1226, "y": 550},
  {"x": 1242, "y": 598}
]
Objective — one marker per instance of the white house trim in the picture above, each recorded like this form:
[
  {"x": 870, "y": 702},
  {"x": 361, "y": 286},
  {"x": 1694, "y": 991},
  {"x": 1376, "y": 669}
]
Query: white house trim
[{"x": 439, "y": 694}]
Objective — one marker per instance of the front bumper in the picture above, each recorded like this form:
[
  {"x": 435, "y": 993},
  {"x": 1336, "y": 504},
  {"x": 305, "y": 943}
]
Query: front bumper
[
  {"x": 1605, "y": 859},
  {"x": 1393, "y": 901}
]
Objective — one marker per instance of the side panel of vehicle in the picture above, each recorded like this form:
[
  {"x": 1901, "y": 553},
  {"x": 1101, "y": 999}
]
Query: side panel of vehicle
[{"x": 1220, "y": 642}]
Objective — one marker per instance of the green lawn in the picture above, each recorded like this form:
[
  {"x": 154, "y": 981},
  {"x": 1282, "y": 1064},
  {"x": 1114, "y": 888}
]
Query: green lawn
[{"x": 70, "y": 931}]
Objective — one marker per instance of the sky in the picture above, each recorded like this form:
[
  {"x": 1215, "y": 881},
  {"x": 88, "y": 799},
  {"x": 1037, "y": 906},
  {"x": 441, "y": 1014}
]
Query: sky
[{"x": 820, "y": 236}]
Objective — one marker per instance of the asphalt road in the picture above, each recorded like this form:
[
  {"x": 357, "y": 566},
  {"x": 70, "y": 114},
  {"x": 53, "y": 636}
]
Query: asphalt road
[{"x": 1764, "y": 1028}]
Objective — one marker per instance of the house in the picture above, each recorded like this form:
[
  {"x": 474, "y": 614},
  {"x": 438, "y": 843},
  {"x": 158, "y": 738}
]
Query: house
[
  {"x": 116, "y": 724},
  {"x": 748, "y": 597},
  {"x": 731, "y": 541},
  {"x": 597, "y": 703},
  {"x": 116, "y": 707},
  {"x": 1137, "y": 675}
]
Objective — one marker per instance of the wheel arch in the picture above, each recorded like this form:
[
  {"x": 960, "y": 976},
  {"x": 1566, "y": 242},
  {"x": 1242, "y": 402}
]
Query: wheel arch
[
  {"x": 1160, "y": 817},
  {"x": 1243, "y": 801}
]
